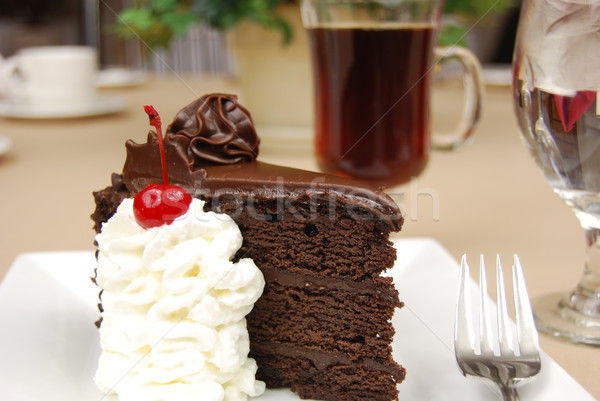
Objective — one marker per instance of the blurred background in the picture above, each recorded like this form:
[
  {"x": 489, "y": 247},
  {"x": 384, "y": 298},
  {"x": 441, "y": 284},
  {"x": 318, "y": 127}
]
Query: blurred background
[
  {"x": 26, "y": 23},
  {"x": 250, "y": 41},
  {"x": 202, "y": 48}
]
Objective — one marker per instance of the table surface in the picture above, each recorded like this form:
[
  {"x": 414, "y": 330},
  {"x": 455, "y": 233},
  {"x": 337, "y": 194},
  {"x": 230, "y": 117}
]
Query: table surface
[{"x": 486, "y": 199}]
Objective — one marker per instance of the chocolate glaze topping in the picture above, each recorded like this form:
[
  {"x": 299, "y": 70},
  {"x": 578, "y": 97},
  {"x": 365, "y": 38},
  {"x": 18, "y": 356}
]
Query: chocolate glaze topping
[
  {"x": 211, "y": 148},
  {"x": 142, "y": 165},
  {"x": 215, "y": 129}
]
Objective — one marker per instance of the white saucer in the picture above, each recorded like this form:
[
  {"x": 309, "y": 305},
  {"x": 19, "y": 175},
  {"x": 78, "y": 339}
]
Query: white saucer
[
  {"x": 115, "y": 77},
  {"x": 5, "y": 144},
  {"x": 102, "y": 105},
  {"x": 49, "y": 350}
]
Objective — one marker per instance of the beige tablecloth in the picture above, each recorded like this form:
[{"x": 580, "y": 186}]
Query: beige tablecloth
[{"x": 488, "y": 198}]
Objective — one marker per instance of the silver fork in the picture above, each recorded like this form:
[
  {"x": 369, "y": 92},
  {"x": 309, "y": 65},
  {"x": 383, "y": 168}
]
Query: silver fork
[{"x": 494, "y": 355}]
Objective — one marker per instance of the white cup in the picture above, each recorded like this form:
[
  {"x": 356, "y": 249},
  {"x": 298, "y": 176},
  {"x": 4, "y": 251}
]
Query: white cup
[{"x": 51, "y": 77}]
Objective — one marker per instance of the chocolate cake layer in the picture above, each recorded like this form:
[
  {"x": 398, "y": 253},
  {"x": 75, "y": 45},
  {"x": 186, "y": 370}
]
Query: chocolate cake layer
[
  {"x": 326, "y": 240},
  {"x": 320, "y": 376},
  {"x": 319, "y": 245},
  {"x": 324, "y": 318}
]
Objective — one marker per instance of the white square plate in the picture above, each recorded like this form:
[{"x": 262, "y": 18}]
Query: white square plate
[{"x": 49, "y": 344}]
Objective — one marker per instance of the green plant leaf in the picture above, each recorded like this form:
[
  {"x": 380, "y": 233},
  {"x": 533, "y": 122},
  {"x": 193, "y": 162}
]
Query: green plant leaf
[
  {"x": 473, "y": 9},
  {"x": 178, "y": 22},
  {"x": 452, "y": 35},
  {"x": 160, "y": 6},
  {"x": 137, "y": 19}
]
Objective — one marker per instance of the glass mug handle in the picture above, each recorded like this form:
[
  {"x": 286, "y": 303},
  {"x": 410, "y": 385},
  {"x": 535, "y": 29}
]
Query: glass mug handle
[{"x": 473, "y": 86}]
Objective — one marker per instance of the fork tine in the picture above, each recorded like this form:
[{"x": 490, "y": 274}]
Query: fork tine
[
  {"x": 507, "y": 366},
  {"x": 526, "y": 331},
  {"x": 504, "y": 330},
  {"x": 485, "y": 327},
  {"x": 463, "y": 329}
]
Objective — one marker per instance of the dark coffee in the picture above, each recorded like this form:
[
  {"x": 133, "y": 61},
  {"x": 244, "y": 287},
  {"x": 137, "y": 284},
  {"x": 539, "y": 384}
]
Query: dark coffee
[{"x": 372, "y": 100}]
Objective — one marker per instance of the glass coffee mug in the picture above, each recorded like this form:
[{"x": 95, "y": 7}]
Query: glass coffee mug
[{"x": 372, "y": 68}]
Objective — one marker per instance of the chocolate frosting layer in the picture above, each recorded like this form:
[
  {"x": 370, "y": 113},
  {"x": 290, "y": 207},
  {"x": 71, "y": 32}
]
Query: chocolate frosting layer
[
  {"x": 324, "y": 360},
  {"x": 215, "y": 129},
  {"x": 269, "y": 180},
  {"x": 210, "y": 149},
  {"x": 381, "y": 287}
]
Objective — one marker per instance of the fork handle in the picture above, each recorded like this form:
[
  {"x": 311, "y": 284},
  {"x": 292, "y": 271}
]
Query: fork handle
[{"x": 509, "y": 392}]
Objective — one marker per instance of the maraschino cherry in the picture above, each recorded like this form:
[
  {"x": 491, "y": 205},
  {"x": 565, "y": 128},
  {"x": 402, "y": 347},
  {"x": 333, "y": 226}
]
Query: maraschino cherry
[{"x": 159, "y": 204}]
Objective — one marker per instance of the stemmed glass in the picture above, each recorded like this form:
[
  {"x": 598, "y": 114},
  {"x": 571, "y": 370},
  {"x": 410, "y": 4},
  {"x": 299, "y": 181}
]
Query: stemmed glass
[{"x": 556, "y": 84}]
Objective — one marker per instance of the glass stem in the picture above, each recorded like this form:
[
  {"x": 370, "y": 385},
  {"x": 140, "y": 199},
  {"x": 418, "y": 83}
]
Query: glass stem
[{"x": 586, "y": 297}]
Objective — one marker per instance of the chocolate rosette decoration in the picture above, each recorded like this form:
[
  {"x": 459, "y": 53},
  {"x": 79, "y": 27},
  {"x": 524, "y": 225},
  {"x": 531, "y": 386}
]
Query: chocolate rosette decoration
[{"x": 215, "y": 129}]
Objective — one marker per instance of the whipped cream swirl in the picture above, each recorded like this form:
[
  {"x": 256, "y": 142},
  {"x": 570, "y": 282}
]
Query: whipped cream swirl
[{"x": 173, "y": 326}]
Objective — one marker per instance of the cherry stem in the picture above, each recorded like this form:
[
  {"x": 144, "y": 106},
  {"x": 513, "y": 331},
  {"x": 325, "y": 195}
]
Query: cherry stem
[{"x": 157, "y": 123}]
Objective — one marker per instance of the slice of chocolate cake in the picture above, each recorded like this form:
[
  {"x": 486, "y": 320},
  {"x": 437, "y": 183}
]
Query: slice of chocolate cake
[{"x": 323, "y": 324}]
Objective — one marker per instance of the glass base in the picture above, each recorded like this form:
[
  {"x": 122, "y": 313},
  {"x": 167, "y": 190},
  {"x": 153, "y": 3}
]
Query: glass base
[{"x": 555, "y": 316}]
